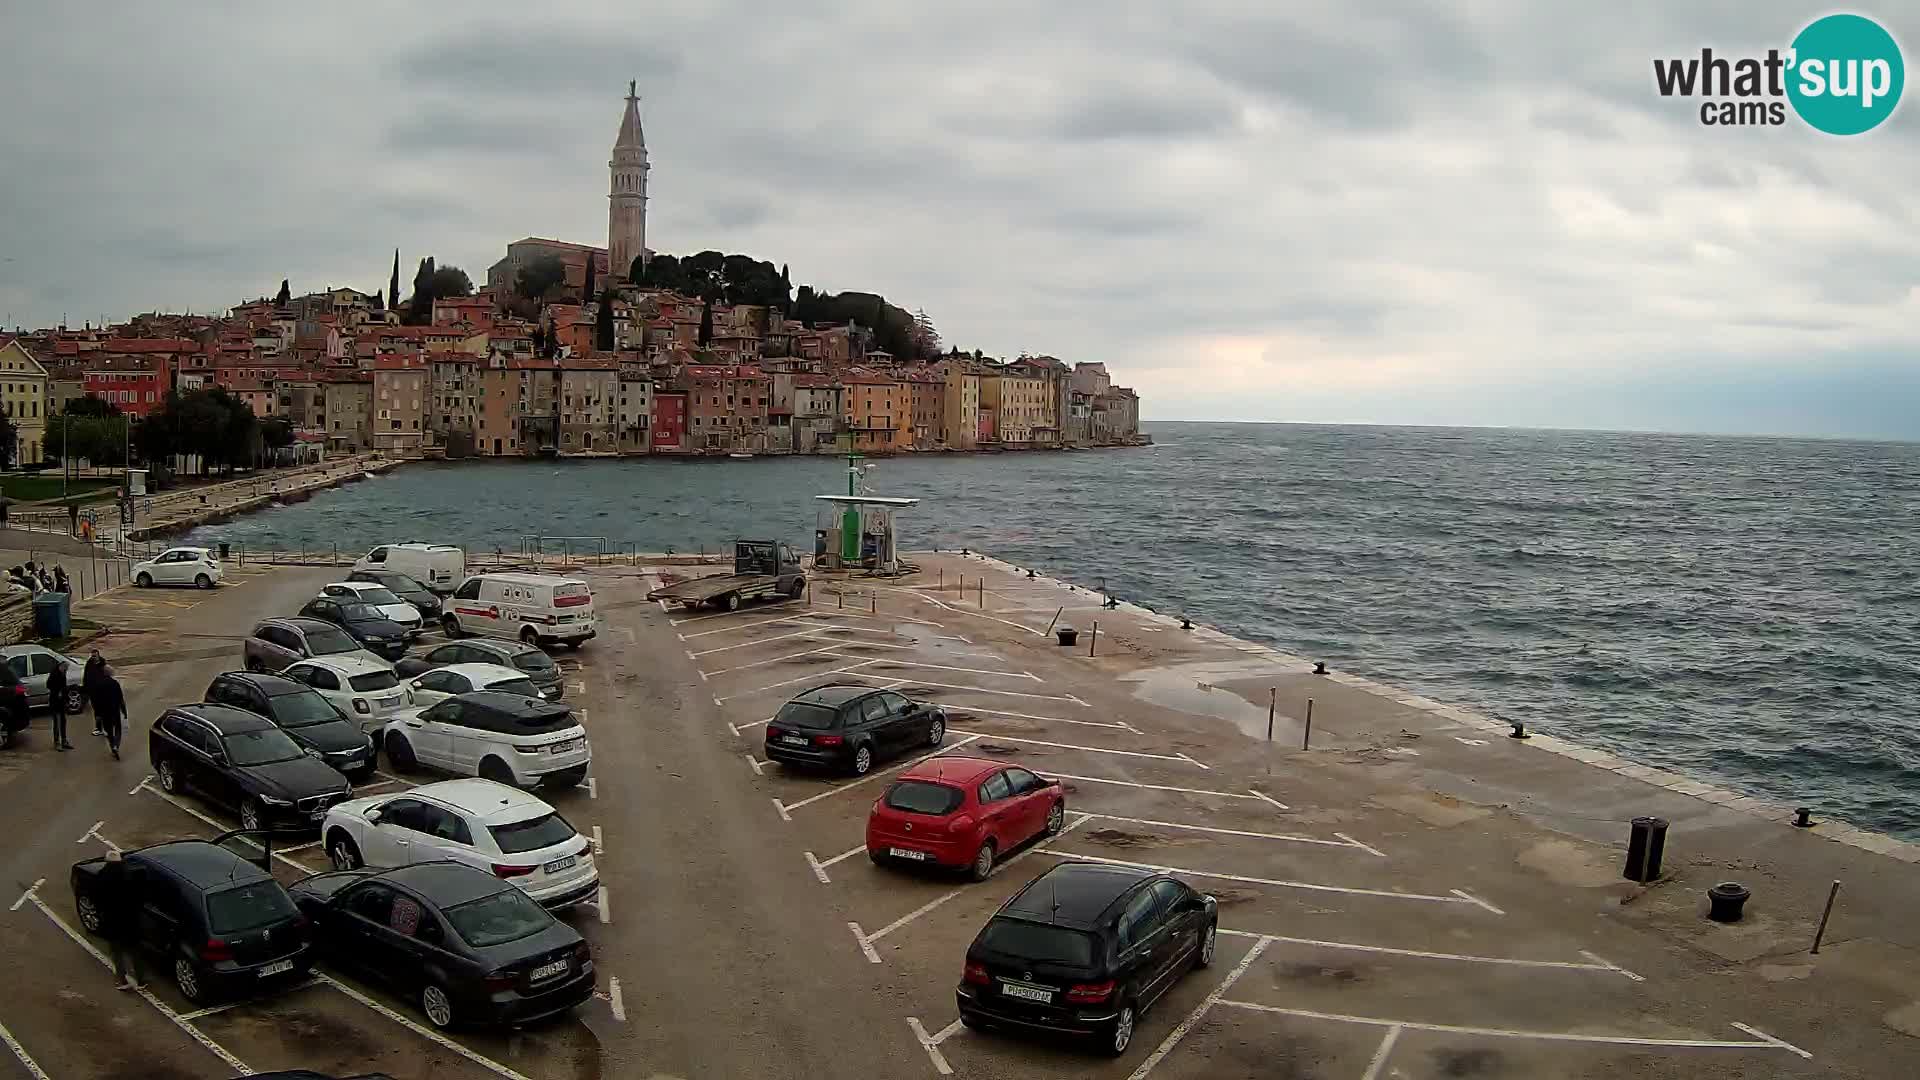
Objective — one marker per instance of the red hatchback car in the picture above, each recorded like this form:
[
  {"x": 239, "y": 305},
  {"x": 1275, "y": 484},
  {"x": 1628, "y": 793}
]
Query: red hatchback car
[{"x": 962, "y": 812}]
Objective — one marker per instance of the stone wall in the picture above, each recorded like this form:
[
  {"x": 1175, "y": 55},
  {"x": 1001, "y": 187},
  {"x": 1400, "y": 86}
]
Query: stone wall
[{"x": 16, "y": 615}]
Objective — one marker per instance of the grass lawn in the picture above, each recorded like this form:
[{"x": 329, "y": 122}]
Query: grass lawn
[{"x": 32, "y": 488}]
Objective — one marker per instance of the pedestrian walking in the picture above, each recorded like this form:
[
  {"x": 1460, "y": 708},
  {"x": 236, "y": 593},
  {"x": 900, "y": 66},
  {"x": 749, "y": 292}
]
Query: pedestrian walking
[
  {"x": 109, "y": 708},
  {"x": 89, "y": 678},
  {"x": 115, "y": 899},
  {"x": 57, "y": 702},
  {"x": 60, "y": 581}
]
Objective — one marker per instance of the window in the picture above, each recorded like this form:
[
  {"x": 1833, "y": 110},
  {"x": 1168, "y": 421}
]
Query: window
[
  {"x": 247, "y": 907},
  {"x": 996, "y": 788},
  {"x": 1036, "y": 942},
  {"x": 442, "y": 823},
  {"x": 1023, "y": 781},
  {"x": 1138, "y": 919},
  {"x": 372, "y": 902},
  {"x": 921, "y": 797},
  {"x": 874, "y": 709},
  {"x": 532, "y": 834},
  {"x": 505, "y": 916},
  {"x": 1169, "y": 895}
]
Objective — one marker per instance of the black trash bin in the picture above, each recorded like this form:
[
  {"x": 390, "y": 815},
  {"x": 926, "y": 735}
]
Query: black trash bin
[
  {"x": 1645, "y": 846},
  {"x": 1067, "y": 635},
  {"x": 226, "y": 550}
]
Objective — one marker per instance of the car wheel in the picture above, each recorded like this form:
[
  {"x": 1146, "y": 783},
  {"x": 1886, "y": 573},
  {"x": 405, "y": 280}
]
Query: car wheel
[
  {"x": 1056, "y": 818},
  {"x": 862, "y": 760},
  {"x": 496, "y": 770},
  {"x": 169, "y": 778},
  {"x": 877, "y": 857},
  {"x": 250, "y": 815},
  {"x": 400, "y": 752},
  {"x": 529, "y": 636},
  {"x": 437, "y": 1005},
  {"x": 450, "y": 626},
  {"x": 203, "y": 581},
  {"x": 972, "y": 1024},
  {"x": 731, "y": 601},
  {"x": 89, "y": 912},
  {"x": 145, "y": 580},
  {"x": 1205, "y": 957},
  {"x": 187, "y": 977},
  {"x": 937, "y": 731},
  {"x": 1120, "y": 1032},
  {"x": 794, "y": 590},
  {"x": 76, "y": 701},
  {"x": 982, "y": 866},
  {"x": 344, "y": 854}
]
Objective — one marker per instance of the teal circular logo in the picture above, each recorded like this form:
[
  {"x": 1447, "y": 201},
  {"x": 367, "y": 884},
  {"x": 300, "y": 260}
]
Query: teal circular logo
[{"x": 1847, "y": 74}]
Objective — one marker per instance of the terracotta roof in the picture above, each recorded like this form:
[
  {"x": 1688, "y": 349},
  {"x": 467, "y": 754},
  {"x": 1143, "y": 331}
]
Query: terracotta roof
[{"x": 149, "y": 345}]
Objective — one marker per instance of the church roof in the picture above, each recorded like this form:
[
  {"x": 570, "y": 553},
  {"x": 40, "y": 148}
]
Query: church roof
[{"x": 630, "y": 133}]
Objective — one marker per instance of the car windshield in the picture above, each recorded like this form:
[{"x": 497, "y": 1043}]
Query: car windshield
[
  {"x": 802, "y": 714},
  {"x": 263, "y": 747},
  {"x": 401, "y": 583},
  {"x": 495, "y": 920},
  {"x": 522, "y": 685},
  {"x": 378, "y": 595},
  {"x": 330, "y": 643},
  {"x": 1033, "y": 941},
  {"x": 531, "y": 834},
  {"x": 533, "y": 660},
  {"x": 360, "y": 612},
  {"x": 303, "y": 708},
  {"x": 920, "y": 797},
  {"x": 374, "y": 680},
  {"x": 246, "y": 907}
]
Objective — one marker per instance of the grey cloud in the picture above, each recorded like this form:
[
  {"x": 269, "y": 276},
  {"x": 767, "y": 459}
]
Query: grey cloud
[
  {"x": 506, "y": 60},
  {"x": 445, "y": 128},
  {"x": 1145, "y": 117}
]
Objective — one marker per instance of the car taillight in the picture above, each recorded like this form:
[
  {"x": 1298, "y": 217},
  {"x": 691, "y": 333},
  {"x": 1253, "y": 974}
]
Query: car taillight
[
  {"x": 502, "y": 870},
  {"x": 828, "y": 740},
  {"x": 215, "y": 951},
  {"x": 499, "y": 980},
  {"x": 581, "y": 953},
  {"x": 976, "y": 974},
  {"x": 360, "y": 705},
  {"x": 1090, "y": 993}
]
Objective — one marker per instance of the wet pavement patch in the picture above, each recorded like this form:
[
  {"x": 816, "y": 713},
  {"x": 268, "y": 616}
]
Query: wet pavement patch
[
  {"x": 995, "y": 749},
  {"x": 1319, "y": 973},
  {"x": 1474, "y": 1061}
]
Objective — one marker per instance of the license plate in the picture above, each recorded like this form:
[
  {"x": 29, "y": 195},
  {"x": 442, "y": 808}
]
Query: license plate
[
  {"x": 1026, "y": 993},
  {"x": 565, "y": 747},
  {"x": 548, "y": 971},
  {"x": 387, "y": 702},
  {"x": 558, "y": 865},
  {"x": 278, "y": 967},
  {"x": 794, "y": 740},
  {"x": 903, "y": 853}
]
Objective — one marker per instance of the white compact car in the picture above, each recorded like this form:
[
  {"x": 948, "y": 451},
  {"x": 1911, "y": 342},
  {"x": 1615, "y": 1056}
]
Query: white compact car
[
  {"x": 439, "y": 684},
  {"x": 361, "y": 685},
  {"x": 509, "y": 738},
  {"x": 489, "y": 826},
  {"x": 378, "y": 597},
  {"x": 179, "y": 566}
]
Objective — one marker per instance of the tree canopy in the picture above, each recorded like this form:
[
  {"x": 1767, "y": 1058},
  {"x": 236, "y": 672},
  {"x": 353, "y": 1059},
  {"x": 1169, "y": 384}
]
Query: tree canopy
[
  {"x": 99, "y": 438},
  {"x": 91, "y": 405},
  {"x": 208, "y": 422},
  {"x": 715, "y": 278},
  {"x": 540, "y": 277}
]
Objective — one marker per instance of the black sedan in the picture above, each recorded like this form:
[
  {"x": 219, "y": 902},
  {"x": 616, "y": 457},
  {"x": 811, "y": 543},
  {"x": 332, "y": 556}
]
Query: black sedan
[
  {"x": 406, "y": 588},
  {"x": 375, "y": 632},
  {"x": 467, "y": 946},
  {"x": 218, "y": 921},
  {"x": 304, "y": 714},
  {"x": 240, "y": 759},
  {"x": 1083, "y": 950}
]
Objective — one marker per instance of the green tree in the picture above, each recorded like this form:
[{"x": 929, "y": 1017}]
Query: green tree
[
  {"x": 539, "y": 277},
  {"x": 8, "y": 436},
  {"x": 603, "y": 323},
  {"x": 393, "y": 283},
  {"x": 100, "y": 440},
  {"x": 706, "y": 325},
  {"x": 420, "y": 304},
  {"x": 448, "y": 281},
  {"x": 275, "y": 435},
  {"x": 284, "y": 296},
  {"x": 91, "y": 405},
  {"x": 586, "y": 291}
]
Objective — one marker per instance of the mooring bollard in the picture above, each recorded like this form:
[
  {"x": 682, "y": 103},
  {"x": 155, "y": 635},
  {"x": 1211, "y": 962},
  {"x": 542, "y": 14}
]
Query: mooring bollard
[
  {"x": 1307, "y": 735},
  {"x": 1824, "y": 914},
  {"x": 1519, "y": 731},
  {"x": 874, "y": 598},
  {"x": 1645, "y": 845},
  {"x": 1726, "y": 900},
  {"x": 1803, "y": 818},
  {"x": 1320, "y": 667}
]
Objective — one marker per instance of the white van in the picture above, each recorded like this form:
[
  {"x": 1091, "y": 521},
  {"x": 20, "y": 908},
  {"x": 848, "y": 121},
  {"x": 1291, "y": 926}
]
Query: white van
[
  {"x": 539, "y": 609},
  {"x": 437, "y": 566}
]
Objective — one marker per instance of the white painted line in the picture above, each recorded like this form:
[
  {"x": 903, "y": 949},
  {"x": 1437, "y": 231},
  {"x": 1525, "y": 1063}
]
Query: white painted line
[
  {"x": 927, "y": 1043},
  {"x": 821, "y": 620},
  {"x": 762, "y": 641},
  {"x": 775, "y": 606},
  {"x": 1265, "y": 798},
  {"x": 388, "y": 777},
  {"x": 702, "y": 674},
  {"x": 593, "y": 789},
  {"x": 716, "y": 701},
  {"x": 213, "y": 1010},
  {"x": 92, "y": 832},
  {"x": 782, "y": 808},
  {"x": 754, "y": 764},
  {"x": 1189, "y": 758},
  {"x": 28, "y": 895},
  {"x": 1363, "y": 847},
  {"x": 600, "y": 903},
  {"x": 1762, "y": 1041},
  {"x": 819, "y": 869},
  {"x": 829, "y": 649},
  {"x": 1159, "y": 787},
  {"x": 627, "y": 632},
  {"x": 848, "y": 670},
  {"x": 1343, "y": 842},
  {"x": 1354, "y": 946},
  {"x": 1611, "y": 966},
  {"x": 866, "y": 944},
  {"x": 1380, "y": 1056},
  {"x": 38, "y": 1073},
  {"x": 1072, "y": 746},
  {"x": 1213, "y": 997},
  {"x": 1077, "y": 701},
  {"x": 422, "y": 1030},
  {"x": 141, "y": 784},
  {"x": 599, "y": 844},
  {"x": 738, "y": 728},
  {"x": 847, "y": 854},
  {"x": 1122, "y": 725},
  {"x": 979, "y": 689},
  {"x": 577, "y": 687},
  {"x": 1472, "y": 899},
  {"x": 302, "y": 847},
  {"x": 1277, "y": 883},
  {"x": 967, "y": 670},
  {"x": 785, "y": 808}
]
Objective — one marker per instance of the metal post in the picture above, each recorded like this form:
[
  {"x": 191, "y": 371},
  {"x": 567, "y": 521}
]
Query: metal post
[
  {"x": 842, "y": 597},
  {"x": 1822, "y": 931},
  {"x": 1055, "y": 619},
  {"x": 983, "y": 592},
  {"x": 874, "y": 597},
  {"x": 1307, "y": 734},
  {"x": 1095, "y": 638},
  {"x": 943, "y": 579}
]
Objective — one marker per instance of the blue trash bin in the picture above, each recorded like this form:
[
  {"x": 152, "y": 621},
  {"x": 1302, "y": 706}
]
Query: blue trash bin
[{"x": 51, "y": 616}]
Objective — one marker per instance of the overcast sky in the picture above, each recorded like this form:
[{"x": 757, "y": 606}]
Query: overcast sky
[{"x": 1396, "y": 212}]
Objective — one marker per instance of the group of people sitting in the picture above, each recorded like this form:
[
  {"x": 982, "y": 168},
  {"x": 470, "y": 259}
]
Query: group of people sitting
[{"x": 38, "y": 579}]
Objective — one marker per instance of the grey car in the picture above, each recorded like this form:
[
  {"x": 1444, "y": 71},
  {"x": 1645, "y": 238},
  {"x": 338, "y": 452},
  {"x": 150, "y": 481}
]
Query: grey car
[
  {"x": 275, "y": 643},
  {"x": 536, "y": 665},
  {"x": 33, "y": 663}
]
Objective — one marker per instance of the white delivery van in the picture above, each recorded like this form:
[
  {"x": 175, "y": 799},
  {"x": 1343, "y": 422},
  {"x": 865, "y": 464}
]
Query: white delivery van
[
  {"x": 437, "y": 566},
  {"x": 539, "y": 609}
]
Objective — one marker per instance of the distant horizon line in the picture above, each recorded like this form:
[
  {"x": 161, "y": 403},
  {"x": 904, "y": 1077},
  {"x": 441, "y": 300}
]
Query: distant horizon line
[{"x": 1887, "y": 440}]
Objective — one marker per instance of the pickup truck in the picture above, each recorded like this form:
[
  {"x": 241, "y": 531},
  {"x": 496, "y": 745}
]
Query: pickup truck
[{"x": 762, "y": 569}]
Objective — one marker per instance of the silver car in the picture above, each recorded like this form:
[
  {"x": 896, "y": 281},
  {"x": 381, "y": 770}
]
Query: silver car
[{"x": 33, "y": 663}]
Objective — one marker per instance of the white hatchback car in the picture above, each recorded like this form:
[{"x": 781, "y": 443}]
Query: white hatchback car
[
  {"x": 378, "y": 597},
  {"x": 489, "y": 826},
  {"x": 361, "y": 685},
  {"x": 430, "y": 687},
  {"x": 179, "y": 566},
  {"x": 508, "y": 738}
]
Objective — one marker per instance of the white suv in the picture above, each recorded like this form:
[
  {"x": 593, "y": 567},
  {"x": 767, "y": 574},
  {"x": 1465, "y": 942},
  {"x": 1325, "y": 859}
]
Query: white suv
[
  {"x": 434, "y": 686},
  {"x": 359, "y": 684},
  {"x": 508, "y": 738},
  {"x": 489, "y": 826}
]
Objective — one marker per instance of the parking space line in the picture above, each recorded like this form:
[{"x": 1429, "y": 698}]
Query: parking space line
[
  {"x": 1213, "y": 997},
  {"x": 979, "y": 689},
  {"x": 931, "y": 1044},
  {"x": 1072, "y": 746},
  {"x": 1380, "y": 1056},
  {"x": 1248, "y": 794},
  {"x": 1121, "y": 725},
  {"x": 811, "y": 616},
  {"x": 754, "y": 764},
  {"x": 1363, "y": 847},
  {"x": 787, "y": 808},
  {"x": 20, "y": 1052},
  {"x": 616, "y": 1000},
  {"x": 214, "y": 1010},
  {"x": 968, "y": 670},
  {"x": 820, "y": 868},
  {"x": 599, "y": 843},
  {"x": 724, "y": 614},
  {"x": 219, "y": 828},
  {"x": 1761, "y": 1040},
  {"x": 851, "y": 669},
  {"x": 1343, "y": 842},
  {"x": 814, "y": 634},
  {"x": 1279, "y": 883},
  {"x": 1597, "y": 964},
  {"x": 763, "y": 663},
  {"x": 421, "y": 1030}
]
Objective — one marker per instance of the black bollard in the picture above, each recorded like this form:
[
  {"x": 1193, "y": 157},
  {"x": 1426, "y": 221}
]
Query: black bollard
[
  {"x": 1519, "y": 731},
  {"x": 1726, "y": 900},
  {"x": 1803, "y": 818},
  {"x": 1185, "y": 623},
  {"x": 1320, "y": 668},
  {"x": 1645, "y": 846}
]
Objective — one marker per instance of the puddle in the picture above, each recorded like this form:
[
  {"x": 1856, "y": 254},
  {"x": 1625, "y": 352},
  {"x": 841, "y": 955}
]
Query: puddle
[
  {"x": 995, "y": 749},
  {"x": 1124, "y": 838},
  {"x": 1317, "y": 973},
  {"x": 1193, "y": 689}
]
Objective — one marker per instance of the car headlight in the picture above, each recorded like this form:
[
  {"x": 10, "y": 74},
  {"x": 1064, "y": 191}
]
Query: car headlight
[{"x": 269, "y": 800}]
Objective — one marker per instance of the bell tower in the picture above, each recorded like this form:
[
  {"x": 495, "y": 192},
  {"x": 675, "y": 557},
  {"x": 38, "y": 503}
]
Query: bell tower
[{"x": 627, "y": 192}]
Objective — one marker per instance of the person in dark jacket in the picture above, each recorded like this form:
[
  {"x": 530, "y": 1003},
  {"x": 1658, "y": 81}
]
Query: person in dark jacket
[
  {"x": 57, "y": 702},
  {"x": 115, "y": 897},
  {"x": 89, "y": 678},
  {"x": 109, "y": 708}
]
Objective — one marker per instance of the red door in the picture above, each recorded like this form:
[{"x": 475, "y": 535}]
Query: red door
[
  {"x": 1030, "y": 793},
  {"x": 1001, "y": 810}
]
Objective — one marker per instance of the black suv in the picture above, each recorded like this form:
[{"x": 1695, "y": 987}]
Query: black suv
[
  {"x": 407, "y": 589},
  {"x": 217, "y": 919},
  {"x": 844, "y": 726},
  {"x": 375, "y": 632},
  {"x": 240, "y": 759},
  {"x": 536, "y": 665},
  {"x": 303, "y": 713},
  {"x": 1084, "y": 949}
]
